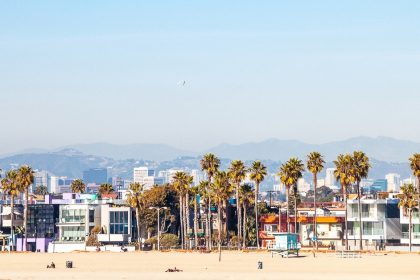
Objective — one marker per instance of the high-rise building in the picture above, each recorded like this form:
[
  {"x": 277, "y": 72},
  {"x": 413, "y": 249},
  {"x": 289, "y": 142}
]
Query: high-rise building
[
  {"x": 141, "y": 172},
  {"x": 394, "y": 182},
  {"x": 303, "y": 186},
  {"x": 329, "y": 177},
  {"x": 197, "y": 176},
  {"x": 380, "y": 185},
  {"x": 41, "y": 178},
  {"x": 60, "y": 185},
  {"x": 95, "y": 176}
]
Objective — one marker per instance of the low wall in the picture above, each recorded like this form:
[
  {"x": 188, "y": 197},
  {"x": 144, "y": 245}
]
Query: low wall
[{"x": 70, "y": 247}]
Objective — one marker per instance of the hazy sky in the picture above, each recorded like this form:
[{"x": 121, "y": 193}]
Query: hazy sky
[{"x": 108, "y": 71}]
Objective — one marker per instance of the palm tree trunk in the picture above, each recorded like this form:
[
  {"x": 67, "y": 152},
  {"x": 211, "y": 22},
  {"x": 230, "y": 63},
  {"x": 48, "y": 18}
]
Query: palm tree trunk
[
  {"x": 345, "y": 219},
  {"x": 295, "y": 212},
  {"x": 25, "y": 216},
  {"x": 138, "y": 227},
  {"x": 244, "y": 227},
  {"x": 315, "y": 239},
  {"x": 238, "y": 214},
  {"x": 287, "y": 209},
  {"x": 195, "y": 223},
  {"x": 210, "y": 226},
  {"x": 186, "y": 221},
  {"x": 359, "y": 205},
  {"x": 219, "y": 209},
  {"x": 12, "y": 219},
  {"x": 181, "y": 224},
  {"x": 410, "y": 225},
  {"x": 256, "y": 214},
  {"x": 225, "y": 219}
]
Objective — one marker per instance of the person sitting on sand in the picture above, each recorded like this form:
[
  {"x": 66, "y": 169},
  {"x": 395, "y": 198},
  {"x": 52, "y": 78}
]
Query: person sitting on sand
[
  {"x": 173, "y": 270},
  {"x": 52, "y": 265}
]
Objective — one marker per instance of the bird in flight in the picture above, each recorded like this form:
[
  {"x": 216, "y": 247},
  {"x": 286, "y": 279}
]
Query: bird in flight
[{"x": 182, "y": 83}]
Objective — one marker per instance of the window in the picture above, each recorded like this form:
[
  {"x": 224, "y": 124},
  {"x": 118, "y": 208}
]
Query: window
[
  {"x": 270, "y": 227},
  {"x": 365, "y": 210},
  {"x": 118, "y": 222},
  {"x": 373, "y": 228},
  {"x": 91, "y": 216}
]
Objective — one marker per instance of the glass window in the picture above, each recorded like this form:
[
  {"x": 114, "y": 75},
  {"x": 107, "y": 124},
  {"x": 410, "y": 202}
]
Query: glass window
[
  {"x": 118, "y": 222},
  {"x": 91, "y": 216}
]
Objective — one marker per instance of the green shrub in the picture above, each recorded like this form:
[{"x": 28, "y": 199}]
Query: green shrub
[{"x": 167, "y": 240}]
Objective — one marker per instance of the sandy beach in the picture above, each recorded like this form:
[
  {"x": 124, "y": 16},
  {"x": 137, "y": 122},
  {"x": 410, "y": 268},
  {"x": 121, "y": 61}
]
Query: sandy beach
[{"x": 234, "y": 265}]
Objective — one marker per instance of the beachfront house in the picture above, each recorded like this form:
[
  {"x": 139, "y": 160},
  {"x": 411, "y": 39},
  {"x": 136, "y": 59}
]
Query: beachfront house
[
  {"x": 76, "y": 222},
  {"x": 329, "y": 222},
  {"x": 415, "y": 237},
  {"x": 380, "y": 222},
  {"x": 116, "y": 224},
  {"x": 41, "y": 229}
]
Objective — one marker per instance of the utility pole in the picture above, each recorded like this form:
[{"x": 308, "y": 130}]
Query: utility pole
[{"x": 158, "y": 224}]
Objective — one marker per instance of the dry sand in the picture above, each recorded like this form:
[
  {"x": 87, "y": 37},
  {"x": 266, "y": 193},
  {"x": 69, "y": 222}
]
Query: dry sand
[{"x": 234, "y": 265}]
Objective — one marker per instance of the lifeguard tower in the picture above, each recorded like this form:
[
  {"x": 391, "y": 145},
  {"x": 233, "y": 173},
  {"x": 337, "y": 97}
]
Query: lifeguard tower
[{"x": 286, "y": 244}]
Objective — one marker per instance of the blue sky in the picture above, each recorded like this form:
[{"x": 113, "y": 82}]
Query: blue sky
[{"x": 108, "y": 71}]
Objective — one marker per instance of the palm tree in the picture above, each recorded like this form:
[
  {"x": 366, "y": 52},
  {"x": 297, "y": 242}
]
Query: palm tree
[
  {"x": 290, "y": 173},
  {"x": 78, "y": 186},
  {"x": 134, "y": 198},
  {"x": 237, "y": 173},
  {"x": 315, "y": 163},
  {"x": 41, "y": 190},
  {"x": 105, "y": 189},
  {"x": 360, "y": 170},
  {"x": 246, "y": 197},
  {"x": 10, "y": 187},
  {"x": 343, "y": 174},
  {"x": 409, "y": 201},
  {"x": 220, "y": 188},
  {"x": 210, "y": 164},
  {"x": 25, "y": 180},
  {"x": 258, "y": 171},
  {"x": 181, "y": 181},
  {"x": 415, "y": 167}
]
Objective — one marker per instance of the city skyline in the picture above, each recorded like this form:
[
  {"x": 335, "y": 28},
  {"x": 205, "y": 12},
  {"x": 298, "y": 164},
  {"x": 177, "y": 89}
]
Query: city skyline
[{"x": 316, "y": 72}]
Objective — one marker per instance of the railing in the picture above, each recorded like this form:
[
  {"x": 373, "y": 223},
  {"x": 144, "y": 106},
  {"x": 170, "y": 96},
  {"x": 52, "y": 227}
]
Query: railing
[
  {"x": 72, "y": 220},
  {"x": 415, "y": 235}
]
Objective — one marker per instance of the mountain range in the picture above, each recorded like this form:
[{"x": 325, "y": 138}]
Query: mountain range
[
  {"x": 380, "y": 148},
  {"x": 387, "y": 155}
]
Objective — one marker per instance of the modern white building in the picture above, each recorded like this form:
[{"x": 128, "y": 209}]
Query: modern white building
[
  {"x": 76, "y": 221},
  {"x": 115, "y": 224},
  {"x": 380, "y": 218},
  {"x": 415, "y": 237},
  {"x": 394, "y": 182}
]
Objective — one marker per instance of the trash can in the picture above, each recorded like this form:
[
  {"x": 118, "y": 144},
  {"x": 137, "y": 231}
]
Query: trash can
[
  {"x": 260, "y": 265},
  {"x": 69, "y": 264}
]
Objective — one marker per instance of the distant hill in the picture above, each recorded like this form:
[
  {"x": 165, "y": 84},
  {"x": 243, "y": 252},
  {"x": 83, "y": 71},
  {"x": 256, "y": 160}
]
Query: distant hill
[
  {"x": 72, "y": 163},
  {"x": 380, "y": 148},
  {"x": 157, "y": 152},
  {"x": 68, "y": 162}
]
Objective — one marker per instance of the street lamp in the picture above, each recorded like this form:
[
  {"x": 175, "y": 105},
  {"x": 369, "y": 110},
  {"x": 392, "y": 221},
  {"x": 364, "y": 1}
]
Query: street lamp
[{"x": 158, "y": 223}]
